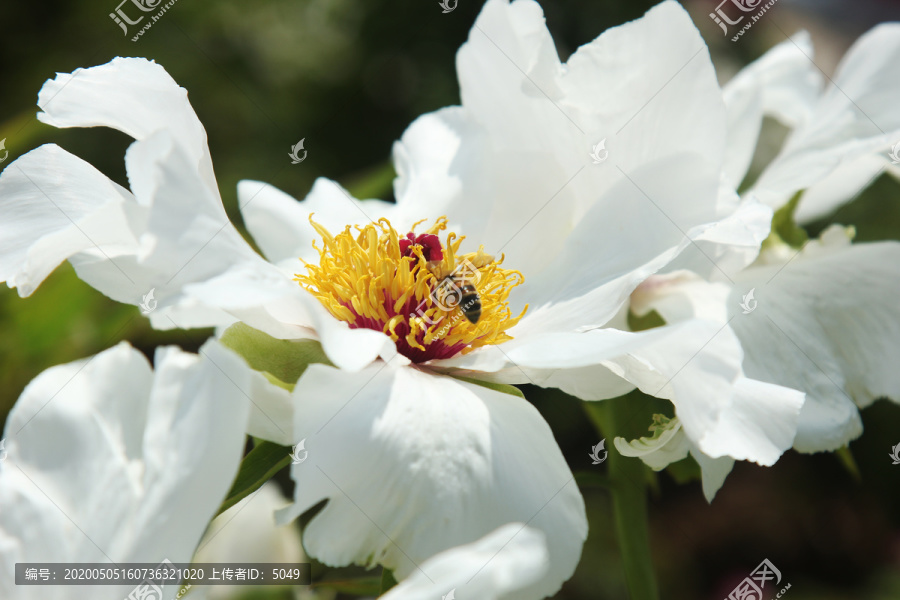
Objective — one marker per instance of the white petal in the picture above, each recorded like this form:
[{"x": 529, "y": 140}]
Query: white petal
[
  {"x": 272, "y": 414},
  {"x": 109, "y": 461},
  {"x": 510, "y": 76},
  {"x": 760, "y": 422},
  {"x": 74, "y": 438},
  {"x": 826, "y": 324},
  {"x": 713, "y": 472},
  {"x": 759, "y": 425},
  {"x": 681, "y": 295},
  {"x": 424, "y": 188},
  {"x": 269, "y": 302},
  {"x": 189, "y": 255},
  {"x": 271, "y": 407},
  {"x": 783, "y": 83},
  {"x": 591, "y": 277},
  {"x": 694, "y": 364},
  {"x": 55, "y": 205},
  {"x": 729, "y": 245},
  {"x": 507, "y": 40},
  {"x": 280, "y": 224},
  {"x": 277, "y": 221},
  {"x": 185, "y": 236},
  {"x": 651, "y": 84},
  {"x": 841, "y": 186},
  {"x": 202, "y": 270},
  {"x": 414, "y": 463},
  {"x": 487, "y": 359},
  {"x": 527, "y": 127},
  {"x": 561, "y": 350},
  {"x": 135, "y": 96},
  {"x": 191, "y": 394},
  {"x": 508, "y": 560},
  {"x": 855, "y": 117},
  {"x": 594, "y": 382},
  {"x": 428, "y": 161}
]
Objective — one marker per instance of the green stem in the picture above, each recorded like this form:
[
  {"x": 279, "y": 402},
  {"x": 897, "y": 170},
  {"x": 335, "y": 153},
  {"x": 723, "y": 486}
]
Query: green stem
[
  {"x": 629, "y": 499},
  {"x": 387, "y": 579}
]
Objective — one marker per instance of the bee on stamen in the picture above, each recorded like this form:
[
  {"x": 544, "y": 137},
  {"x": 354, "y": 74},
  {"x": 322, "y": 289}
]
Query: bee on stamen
[{"x": 457, "y": 289}]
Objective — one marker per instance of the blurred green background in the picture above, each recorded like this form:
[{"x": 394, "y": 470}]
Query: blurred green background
[{"x": 349, "y": 76}]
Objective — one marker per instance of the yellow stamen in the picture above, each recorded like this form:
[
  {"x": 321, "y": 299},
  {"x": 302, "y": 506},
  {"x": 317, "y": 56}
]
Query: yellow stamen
[{"x": 365, "y": 279}]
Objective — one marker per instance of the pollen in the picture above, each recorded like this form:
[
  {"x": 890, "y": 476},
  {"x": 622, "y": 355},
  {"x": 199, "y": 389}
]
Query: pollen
[{"x": 412, "y": 287}]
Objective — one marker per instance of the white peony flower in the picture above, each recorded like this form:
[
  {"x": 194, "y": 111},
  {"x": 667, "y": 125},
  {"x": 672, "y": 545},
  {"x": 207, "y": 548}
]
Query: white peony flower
[
  {"x": 470, "y": 459},
  {"x": 584, "y": 242},
  {"x": 111, "y": 462},
  {"x": 821, "y": 319},
  {"x": 417, "y": 461}
]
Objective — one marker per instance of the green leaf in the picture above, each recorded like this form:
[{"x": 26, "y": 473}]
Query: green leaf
[
  {"x": 784, "y": 228},
  {"x": 259, "y": 466},
  {"x": 286, "y": 360},
  {"x": 497, "y": 387},
  {"x": 366, "y": 586},
  {"x": 387, "y": 579},
  {"x": 649, "y": 321},
  {"x": 275, "y": 381}
]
